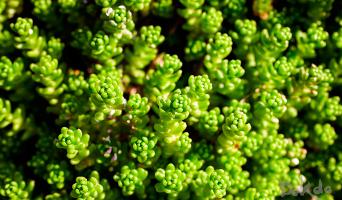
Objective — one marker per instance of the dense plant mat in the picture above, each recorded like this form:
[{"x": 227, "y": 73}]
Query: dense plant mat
[{"x": 170, "y": 99}]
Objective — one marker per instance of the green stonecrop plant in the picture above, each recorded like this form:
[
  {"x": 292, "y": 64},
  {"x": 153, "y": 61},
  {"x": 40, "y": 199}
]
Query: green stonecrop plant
[
  {"x": 12, "y": 73},
  {"x": 170, "y": 99},
  {"x": 55, "y": 47},
  {"x": 90, "y": 188},
  {"x": 136, "y": 117},
  {"x": 12, "y": 120},
  {"x": 48, "y": 73},
  {"x": 144, "y": 149},
  {"x": 75, "y": 142},
  {"x": 106, "y": 94},
  {"x": 270, "y": 44},
  {"x": 198, "y": 92},
  {"x": 57, "y": 174},
  {"x": 27, "y": 38},
  {"x": 217, "y": 48},
  {"x": 105, "y": 48},
  {"x": 170, "y": 180},
  {"x": 119, "y": 22},
  {"x": 172, "y": 112},
  {"x": 244, "y": 34},
  {"x": 314, "y": 38},
  {"x": 162, "y": 8},
  {"x": 234, "y": 129},
  {"x": 13, "y": 189},
  {"x": 210, "y": 122},
  {"x": 162, "y": 81},
  {"x": 275, "y": 75},
  {"x": 144, "y": 50},
  {"x": 131, "y": 180},
  {"x": 211, "y": 183},
  {"x": 267, "y": 110}
]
